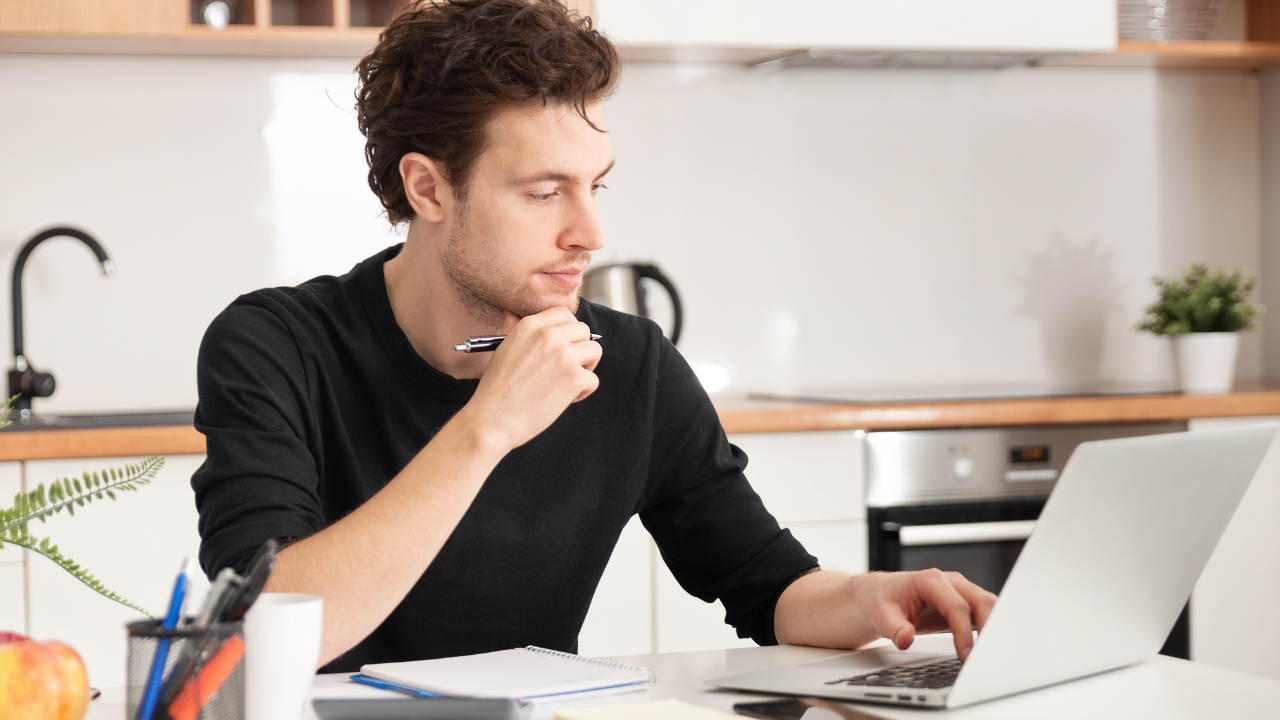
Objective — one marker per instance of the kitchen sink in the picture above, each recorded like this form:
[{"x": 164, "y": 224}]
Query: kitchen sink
[{"x": 85, "y": 422}]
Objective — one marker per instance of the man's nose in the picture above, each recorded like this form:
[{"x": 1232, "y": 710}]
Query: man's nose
[{"x": 583, "y": 227}]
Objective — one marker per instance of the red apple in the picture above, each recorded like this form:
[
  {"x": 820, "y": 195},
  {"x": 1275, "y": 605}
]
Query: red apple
[{"x": 42, "y": 681}]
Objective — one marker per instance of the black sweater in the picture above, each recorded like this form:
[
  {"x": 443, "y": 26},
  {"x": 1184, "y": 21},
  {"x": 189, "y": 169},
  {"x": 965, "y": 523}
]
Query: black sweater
[{"x": 312, "y": 399}]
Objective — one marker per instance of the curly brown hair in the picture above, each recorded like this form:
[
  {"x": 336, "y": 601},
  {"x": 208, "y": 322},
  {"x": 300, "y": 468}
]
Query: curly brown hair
[{"x": 443, "y": 68}]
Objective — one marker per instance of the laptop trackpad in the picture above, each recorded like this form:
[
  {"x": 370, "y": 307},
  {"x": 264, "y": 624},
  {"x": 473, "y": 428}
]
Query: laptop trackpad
[{"x": 869, "y": 660}]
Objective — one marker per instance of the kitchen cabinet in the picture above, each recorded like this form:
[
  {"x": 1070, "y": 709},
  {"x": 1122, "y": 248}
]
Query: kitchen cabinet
[
  {"x": 13, "y": 609},
  {"x": 813, "y": 484},
  {"x": 648, "y": 30},
  {"x": 1232, "y": 621},
  {"x": 916, "y": 25},
  {"x": 620, "y": 621},
  {"x": 811, "y": 481},
  {"x": 93, "y": 16},
  {"x": 264, "y": 28},
  {"x": 684, "y": 622},
  {"x": 134, "y": 545}
]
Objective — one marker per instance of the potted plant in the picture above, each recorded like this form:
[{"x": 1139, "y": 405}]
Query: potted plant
[{"x": 1204, "y": 313}]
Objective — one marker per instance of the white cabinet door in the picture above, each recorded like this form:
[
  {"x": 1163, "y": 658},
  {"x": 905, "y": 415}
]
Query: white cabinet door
[
  {"x": 1233, "y": 622},
  {"x": 13, "y": 613},
  {"x": 812, "y": 483},
  {"x": 807, "y": 476},
  {"x": 686, "y": 623},
  {"x": 986, "y": 25},
  {"x": 134, "y": 545},
  {"x": 620, "y": 621},
  {"x": 683, "y": 621},
  {"x": 837, "y": 545}
]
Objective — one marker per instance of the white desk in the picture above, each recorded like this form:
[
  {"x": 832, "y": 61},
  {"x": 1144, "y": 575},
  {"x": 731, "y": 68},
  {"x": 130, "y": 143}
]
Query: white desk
[{"x": 1165, "y": 688}]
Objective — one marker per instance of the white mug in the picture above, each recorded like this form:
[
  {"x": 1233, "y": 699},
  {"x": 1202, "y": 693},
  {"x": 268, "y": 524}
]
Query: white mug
[{"x": 282, "y": 647}]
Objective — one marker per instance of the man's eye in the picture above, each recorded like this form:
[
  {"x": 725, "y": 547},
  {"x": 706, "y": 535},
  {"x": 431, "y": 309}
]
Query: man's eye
[
  {"x": 543, "y": 196},
  {"x": 596, "y": 187}
]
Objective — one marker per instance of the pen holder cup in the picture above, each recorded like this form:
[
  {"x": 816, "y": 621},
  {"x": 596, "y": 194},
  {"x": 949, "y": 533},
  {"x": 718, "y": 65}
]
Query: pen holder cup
[{"x": 207, "y": 665}]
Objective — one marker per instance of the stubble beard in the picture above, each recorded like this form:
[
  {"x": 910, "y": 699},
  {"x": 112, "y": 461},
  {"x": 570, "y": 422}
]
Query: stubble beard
[{"x": 482, "y": 288}]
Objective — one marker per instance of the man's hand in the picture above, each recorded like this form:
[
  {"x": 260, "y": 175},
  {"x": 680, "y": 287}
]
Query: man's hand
[
  {"x": 546, "y": 363},
  {"x": 829, "y": 609},
  {"x": 364, "y": 564},
  {"x": 898, "y": 605}
]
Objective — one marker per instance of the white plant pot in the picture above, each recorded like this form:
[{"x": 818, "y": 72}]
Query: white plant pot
[{"x": 1206, "y": 362}]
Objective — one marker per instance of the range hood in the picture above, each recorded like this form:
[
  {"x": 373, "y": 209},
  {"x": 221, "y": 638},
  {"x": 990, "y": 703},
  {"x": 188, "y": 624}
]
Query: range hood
[
  {"x": 818, "y": 58},
  {"x": 859, "y": 33}
]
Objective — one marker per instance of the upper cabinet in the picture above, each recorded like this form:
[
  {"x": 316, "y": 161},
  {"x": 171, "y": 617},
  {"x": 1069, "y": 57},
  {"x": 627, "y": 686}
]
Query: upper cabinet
[
  {"x": 909, "y": 25},
  {"x": 854, "y": 33},
  {"x": 284, "y": 28},
  {"x": 92, "y": 16}
]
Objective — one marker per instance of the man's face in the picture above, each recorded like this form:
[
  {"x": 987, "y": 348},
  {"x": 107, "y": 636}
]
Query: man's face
[{"x": 527, "y": 228}]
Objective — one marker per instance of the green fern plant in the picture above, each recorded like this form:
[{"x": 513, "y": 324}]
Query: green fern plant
[{"x": 68, "y": 494}]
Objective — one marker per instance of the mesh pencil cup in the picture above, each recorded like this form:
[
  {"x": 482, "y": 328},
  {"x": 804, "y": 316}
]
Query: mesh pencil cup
[{"x": 203, "y": 676}]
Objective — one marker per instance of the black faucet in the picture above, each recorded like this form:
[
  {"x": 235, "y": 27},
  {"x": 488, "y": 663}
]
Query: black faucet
[{"x": 24, "y": 381}]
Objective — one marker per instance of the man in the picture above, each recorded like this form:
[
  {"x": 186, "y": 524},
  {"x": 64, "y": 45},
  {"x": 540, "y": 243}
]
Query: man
[{"x": 445, "y": 503}]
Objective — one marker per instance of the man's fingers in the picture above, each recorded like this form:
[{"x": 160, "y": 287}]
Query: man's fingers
[
  {"x": 555, "y": 334},
  {"x": 591, "y": 382},
  {"x": 509, "y": 323},
  {"x": 587, "y": 354},
  {"x": 892, "y": 623},
  {"x": 936, "y": 590},
  {"x": 980, "y": 601},
  {"x": 551, "y": 316},
  {"x": 594, "y": 355}
]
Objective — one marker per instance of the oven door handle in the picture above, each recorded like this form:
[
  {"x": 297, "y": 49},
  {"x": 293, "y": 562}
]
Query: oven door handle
[{"x": 956, "y": 533}]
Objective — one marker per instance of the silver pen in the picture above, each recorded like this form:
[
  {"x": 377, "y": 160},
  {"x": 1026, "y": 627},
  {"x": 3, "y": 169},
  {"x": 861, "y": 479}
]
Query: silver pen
[{"x": 489, "y": 343}]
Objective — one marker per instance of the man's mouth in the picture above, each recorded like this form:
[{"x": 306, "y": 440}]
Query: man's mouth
[{"x": 568, "y": 278}]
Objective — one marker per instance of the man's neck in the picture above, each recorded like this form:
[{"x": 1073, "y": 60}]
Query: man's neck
[{"x": 428, "y": 311}]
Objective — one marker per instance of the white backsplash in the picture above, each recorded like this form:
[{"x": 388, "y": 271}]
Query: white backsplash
[
  {"x": 909, "y": 227},
  {"x": 825, "y": 227}
]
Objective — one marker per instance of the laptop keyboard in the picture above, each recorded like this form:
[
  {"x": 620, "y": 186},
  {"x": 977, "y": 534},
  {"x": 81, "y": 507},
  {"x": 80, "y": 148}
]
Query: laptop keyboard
[{"x": 937, "y": 674}]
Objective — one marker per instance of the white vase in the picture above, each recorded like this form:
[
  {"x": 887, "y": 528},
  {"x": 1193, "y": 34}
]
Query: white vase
[{"x": 1206, "y": 362}]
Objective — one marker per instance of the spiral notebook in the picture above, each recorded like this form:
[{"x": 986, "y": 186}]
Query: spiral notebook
[{"x": 530, "y": 673}]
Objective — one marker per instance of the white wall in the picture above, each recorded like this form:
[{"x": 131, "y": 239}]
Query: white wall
[
  {"x": 203, "y": 178},
  {"x": 941, "y": 226}
]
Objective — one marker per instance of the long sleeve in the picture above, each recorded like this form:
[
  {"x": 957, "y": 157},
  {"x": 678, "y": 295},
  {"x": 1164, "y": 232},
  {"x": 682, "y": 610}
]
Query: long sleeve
[
  {"x": 259, "y": 480},
  {"x": 712, "y": 529}
]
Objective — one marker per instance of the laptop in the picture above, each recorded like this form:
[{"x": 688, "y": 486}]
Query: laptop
[{"x": 1098, "y": 585}]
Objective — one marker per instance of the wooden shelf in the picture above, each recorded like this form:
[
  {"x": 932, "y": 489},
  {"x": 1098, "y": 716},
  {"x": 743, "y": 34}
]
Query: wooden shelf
[
  {"x": 161, "y": 27},
  {"x": 236, "y": 41},
  {"x": 354, "y": 42}
]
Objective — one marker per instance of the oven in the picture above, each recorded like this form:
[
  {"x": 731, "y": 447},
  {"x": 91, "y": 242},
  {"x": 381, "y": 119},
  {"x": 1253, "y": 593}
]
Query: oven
[{"x": 967, "y": 500}]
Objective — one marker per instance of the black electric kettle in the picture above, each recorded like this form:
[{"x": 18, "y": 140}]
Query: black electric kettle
[{"x": 619, "y": 287}]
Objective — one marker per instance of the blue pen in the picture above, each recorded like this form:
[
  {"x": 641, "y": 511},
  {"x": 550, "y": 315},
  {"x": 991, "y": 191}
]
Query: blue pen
[
  {"x": 383, "y": 684},
  {"x": 152, "y": 694}
]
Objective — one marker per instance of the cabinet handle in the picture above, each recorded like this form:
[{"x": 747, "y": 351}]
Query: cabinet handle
[{"x": 956, "y": 533}]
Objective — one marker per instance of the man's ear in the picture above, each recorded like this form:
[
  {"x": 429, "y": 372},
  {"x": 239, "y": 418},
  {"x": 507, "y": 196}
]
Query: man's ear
[{"x": 425, "y": 187}]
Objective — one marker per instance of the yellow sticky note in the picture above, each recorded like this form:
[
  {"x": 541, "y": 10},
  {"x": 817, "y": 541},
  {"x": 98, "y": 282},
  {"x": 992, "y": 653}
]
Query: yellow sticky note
[{"x": 664, "y": 709}]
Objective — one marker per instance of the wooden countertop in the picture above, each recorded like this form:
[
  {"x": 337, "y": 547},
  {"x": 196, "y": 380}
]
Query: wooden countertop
[
  {"x": 1260, "y": 398},
  {"x": 1252, "y": 398},
  {"x": 100, "y": 442}
]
